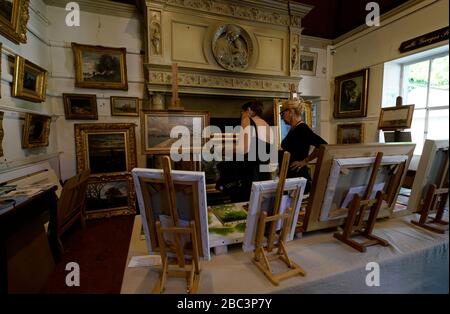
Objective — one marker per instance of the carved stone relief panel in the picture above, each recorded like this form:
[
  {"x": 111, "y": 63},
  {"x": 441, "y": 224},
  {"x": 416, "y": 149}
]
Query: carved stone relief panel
[
  {"x": 155, "y": 34},
  {"x": 232, "y": 47}
]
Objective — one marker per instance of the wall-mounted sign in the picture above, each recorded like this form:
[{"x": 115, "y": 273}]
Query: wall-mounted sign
[{"x": 424, "y": 40}]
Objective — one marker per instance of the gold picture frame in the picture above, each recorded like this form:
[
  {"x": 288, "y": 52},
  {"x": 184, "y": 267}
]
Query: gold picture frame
[
  {"x": 100, "y": 67},
  {"x": 281, "y": 126},
  {"x": 110, "y": 195},
  {"x": 350, "y": 133},
  {"x": 36, "y": 130},
  {"x": 125, "y": 106},
  {"x": 14, "y": 18},
  {"x": 105, "y": 148},
  {"x": 29, "y": 80},
  {"x": 396, "y": 118},
  {"x": 351, "y": 95}
]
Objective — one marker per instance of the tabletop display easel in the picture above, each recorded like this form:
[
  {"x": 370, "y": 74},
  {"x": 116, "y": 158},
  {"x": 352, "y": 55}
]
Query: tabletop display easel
[
  {"x": 261, "y": 258},
  {"x": 190, "y": 270},
  {"x": 354, "y": 223},
  {"x": 436, "y": 199},
  {"x": 396, "y": 119}
]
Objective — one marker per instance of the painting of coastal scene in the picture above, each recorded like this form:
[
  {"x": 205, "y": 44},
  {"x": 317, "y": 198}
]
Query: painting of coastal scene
[{"x": 107, "y": 152}]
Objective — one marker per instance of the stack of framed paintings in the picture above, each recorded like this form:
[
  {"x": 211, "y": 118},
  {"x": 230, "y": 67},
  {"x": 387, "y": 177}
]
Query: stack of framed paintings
[{"x": 109, "y": 151}]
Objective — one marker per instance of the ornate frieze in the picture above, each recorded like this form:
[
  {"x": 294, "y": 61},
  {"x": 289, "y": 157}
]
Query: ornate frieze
[
  {"x": 231, "y": 9},
  {"x": 162, "y": 77}
]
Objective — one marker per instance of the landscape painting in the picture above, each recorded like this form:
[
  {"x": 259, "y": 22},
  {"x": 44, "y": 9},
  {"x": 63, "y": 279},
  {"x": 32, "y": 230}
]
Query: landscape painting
[
  {"x": 110, "y": 195},
  {"x": 105, "y": 148},
  {"x": 36, "y": 131},
  {"x": 100, "y": 67},
  {"x": 159, "y": 124},
  {"x": 107, "y": 152},
  {"x": 125, "y": 106},
  {"x": 80, "y": 107}
]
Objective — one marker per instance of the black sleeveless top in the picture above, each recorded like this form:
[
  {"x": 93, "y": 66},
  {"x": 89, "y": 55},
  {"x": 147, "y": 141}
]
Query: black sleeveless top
[{"x": 254, "y": 166}]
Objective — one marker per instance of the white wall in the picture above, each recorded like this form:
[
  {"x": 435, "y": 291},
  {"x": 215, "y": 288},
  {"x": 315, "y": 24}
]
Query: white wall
[
  {"x": 37, "y": 51},
  {"x": 95, "y": 29},
  {"x": 372, "y": 48}
]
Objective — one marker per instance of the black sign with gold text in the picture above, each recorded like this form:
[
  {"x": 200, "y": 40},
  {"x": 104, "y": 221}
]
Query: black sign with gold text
[{"x": 424, "y": 40}]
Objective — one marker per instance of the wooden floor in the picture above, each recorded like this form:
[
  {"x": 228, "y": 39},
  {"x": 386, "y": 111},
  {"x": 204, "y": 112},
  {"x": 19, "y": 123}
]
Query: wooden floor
[{"x": 100, "y": 250}]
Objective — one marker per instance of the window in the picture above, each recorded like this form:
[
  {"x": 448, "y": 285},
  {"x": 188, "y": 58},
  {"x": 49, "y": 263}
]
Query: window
[{"x": 425, "y": 83}]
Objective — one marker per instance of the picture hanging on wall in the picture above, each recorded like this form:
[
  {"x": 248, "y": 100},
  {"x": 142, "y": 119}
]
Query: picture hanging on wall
[
  {"x": 100, "y": 67},
  {"x": 105, "y": 148},
  {"x": 351, "y": 94},
  {"x": 29, "y": 80},
  {"x": 80, "y": 107},
  {"x": 308, "y": 62},
  {"x": 350, "y": 133},
  {"x": 125, "y": 106},
  {"x": 36, "y": 130},
  {"x": 14, "y": 19}
]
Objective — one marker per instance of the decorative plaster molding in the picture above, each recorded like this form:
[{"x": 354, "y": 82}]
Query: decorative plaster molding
[
  {"x": 191, "y": 79},
  {"x": 271, "y": 12}
]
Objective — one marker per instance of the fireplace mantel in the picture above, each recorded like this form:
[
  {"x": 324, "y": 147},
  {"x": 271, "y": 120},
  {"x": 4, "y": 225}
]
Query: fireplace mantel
[{"x": 224, "y": 47}]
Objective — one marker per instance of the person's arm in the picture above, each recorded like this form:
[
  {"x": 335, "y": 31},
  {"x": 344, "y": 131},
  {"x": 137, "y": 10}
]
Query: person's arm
[{"x": 316, "y": 141}]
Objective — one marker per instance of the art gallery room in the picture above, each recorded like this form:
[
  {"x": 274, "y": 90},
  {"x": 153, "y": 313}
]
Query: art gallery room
[{"x": 224, "y": 147}]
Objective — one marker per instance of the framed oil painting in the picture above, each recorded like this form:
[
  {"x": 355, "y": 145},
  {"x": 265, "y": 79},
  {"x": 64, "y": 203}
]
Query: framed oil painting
[
  {"x": 350, "y": 133},
  {"x": 191, "y": 204},
  {"x": 262, "y": 199},
  {"x": 157, "y": 125},
  {"x": 100, "y": 67},
  {"x": 110, "y": 195},
  {"x": 281, "y": 126},
  {"x": 80, "y": 107},
  {"x": 14, "y": 19},
  {"x": 396, "y": 118},
  {"x": 125, "y": 106},
  {"x": 105, "y": 148},
  {"x": 308, "y": 62},
  {"x": 36, "y": 130},
  {"x": 351, "y": 94},
  {"x": 29, "y": 80}
]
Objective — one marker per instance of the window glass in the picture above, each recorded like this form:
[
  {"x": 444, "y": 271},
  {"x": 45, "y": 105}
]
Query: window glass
[
  {"x": 439, "y": 83},
  {"x": 416, "y": 83}
]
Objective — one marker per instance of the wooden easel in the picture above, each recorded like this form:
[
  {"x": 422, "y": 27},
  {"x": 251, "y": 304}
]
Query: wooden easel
[
  {"x": 190, "y": 271},
  {"x": 354, "y": 224},
  {"x": 436, "y": 199},
  {"x": 261, "y": 258},
  {"x": 175, "y": 103}
]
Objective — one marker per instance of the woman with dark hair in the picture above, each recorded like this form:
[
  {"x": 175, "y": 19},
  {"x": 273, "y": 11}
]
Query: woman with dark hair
[{"x": 255, "y": 137}]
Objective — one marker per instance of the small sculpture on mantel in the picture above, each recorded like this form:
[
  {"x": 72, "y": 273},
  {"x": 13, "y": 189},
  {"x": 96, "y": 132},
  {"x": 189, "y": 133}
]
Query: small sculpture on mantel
[{"x": 232, "y": 47}]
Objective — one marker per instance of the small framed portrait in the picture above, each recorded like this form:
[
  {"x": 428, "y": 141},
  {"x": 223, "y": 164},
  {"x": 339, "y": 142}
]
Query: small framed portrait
[
  {"x": 80, "y": 107},
  {"x": 125, "y": 106},
  {"x": 105, "y": 148},
  {"x": 308, "y": 63},
  {"x": 351, "y": 93},
  {"x": 157, "y": 126},
  {"x": 36, "y": 130},
  {"x": 14, "y": 19},
  {"x": 396, "y": 118},
  {"x": 100, "y": 67},
  {"x": 350, "y": 133},
  {"x": 29, "y": 81}
]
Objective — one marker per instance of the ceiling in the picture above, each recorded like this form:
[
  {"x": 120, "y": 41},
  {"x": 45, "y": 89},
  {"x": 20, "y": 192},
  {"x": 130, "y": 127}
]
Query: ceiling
[{"x": 332, "y": 18}]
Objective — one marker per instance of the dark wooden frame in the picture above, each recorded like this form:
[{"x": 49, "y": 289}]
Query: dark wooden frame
[
  {"x": 341, "y": 127},
  {"x": 364, "y": 95},
  {"x": 73, "y": 116}
]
